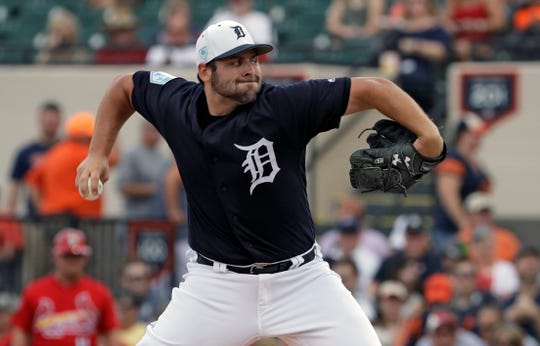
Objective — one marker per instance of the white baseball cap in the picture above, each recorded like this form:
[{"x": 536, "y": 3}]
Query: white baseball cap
[
  {"x": 478, "y": 201},
  {"x": 224, "y": 39}
]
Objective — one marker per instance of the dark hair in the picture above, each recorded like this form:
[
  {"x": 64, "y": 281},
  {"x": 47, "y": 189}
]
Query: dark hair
[
  {"x": 528, "y": 250},
  {"x": 50, "y": 106},
  {"x": 213, "y": 67}
]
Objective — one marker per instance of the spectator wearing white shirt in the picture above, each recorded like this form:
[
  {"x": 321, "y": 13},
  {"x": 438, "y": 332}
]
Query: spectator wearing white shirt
[
  {"x": 258, "y": 23},
  {"x": 175, "y": 44}
]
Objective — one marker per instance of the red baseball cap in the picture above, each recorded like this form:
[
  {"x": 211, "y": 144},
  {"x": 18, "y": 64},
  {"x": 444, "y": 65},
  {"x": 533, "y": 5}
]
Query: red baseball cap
[
  {"x": 438, "y": 288},
  {"x": 437, "y": 319},
  {"x": 71, "y": 241}
]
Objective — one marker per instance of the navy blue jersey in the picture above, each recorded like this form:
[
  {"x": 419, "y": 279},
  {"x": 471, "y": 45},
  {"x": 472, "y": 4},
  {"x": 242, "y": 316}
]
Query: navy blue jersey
[
  {"x": 24, "y": 160},
  {"x": 244, "y": 173},
  {"x": 474, "y": 179}
]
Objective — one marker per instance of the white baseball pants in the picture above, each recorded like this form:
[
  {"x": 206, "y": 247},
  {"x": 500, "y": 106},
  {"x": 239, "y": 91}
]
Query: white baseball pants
[{"x": 304, "y": 306}]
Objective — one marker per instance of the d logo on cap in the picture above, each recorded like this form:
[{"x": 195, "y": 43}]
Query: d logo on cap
[{"x": 238, "y": 31}]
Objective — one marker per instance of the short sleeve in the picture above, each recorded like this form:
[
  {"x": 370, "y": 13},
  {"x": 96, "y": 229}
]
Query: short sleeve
[
  {"x": 20, "y": 167},
  {"x": 153, "y": 94},
  {"x": 451, "y": 166},
  {"x": 307, "y": 108},
  {"x": 24, "y": 316}
]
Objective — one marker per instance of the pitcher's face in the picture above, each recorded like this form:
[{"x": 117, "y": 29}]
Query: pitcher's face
[{"x": 237, "y": 77}]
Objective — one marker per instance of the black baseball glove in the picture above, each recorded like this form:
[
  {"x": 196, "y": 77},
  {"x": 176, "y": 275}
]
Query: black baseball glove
[{"x": 391, "y": 163}]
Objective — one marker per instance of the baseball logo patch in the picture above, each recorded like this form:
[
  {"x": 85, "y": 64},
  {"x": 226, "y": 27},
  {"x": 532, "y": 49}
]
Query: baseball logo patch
[
  {"x": 158, "y": 77},
  {"x": 203, "y": 53}
]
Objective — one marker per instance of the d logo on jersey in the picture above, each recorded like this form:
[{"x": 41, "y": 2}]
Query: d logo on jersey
[{"x": 260, "y": 162}]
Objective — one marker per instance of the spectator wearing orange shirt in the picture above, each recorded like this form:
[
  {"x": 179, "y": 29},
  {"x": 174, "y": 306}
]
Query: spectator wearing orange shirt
[
  {"x": 527, "y": 18},
  {"x": 52, "y": 181},
  {"x": 480, "y": 207},
  {"x": 458, "y": 176}
]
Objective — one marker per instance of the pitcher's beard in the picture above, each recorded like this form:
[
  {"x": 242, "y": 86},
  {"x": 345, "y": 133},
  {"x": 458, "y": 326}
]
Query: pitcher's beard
[{"x": 248, "y": 94}]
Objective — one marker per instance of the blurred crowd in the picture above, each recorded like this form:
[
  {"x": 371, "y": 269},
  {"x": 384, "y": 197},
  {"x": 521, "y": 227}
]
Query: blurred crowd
[
  {"x": 454, "y": 277},
  {"x": 423, "y": 35},
  {"x": 172, "y": 41}
]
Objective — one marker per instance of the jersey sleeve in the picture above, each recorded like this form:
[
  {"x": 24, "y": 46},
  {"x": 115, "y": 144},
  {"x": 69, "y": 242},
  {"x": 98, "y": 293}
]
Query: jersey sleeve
[
  {"x": 20, "y": 167},
  {"x": 24, "y": 316},
  {"x": 451, "y": 165},
  {"x": 152, "y": 94},
  {"x": 307, "y": 108}
]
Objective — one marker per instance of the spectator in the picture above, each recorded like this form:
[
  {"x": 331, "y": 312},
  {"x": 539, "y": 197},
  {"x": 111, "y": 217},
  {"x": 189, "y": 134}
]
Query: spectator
[
  {"x": 409, "y": 274},
  {"x": 49, "y": 119},
  {"x": 442, "y": 329},
  {"x": 466, "y": 299},
  {"x": 136, "y": 280},
  {"x": 458, "y": 176},
  {"x": 51, "y": 180},
  {"x": 423, "y": 48},
  {"x": 473, "y": 23},
  {"x": 123, "y": 45},
  {"x": 497, "y": 277},
  {"x": 354, "y": 19},
  {"x": 489, "y": 321},
  {"x": 523, "y": 308},
  {"x": 349, "y": 246},
  {"x": 391, "y": 298},
  {"x": 352, "y": 238},
  {"x": 11, "y": 254},
  {"x": 131, "y": 329},
  {"x": 350, "y": 210},
  {"x": 175, "y": 44},
  {"x": 348, "y": 271},
  {"x": 509, "y": 334},
  {"x": 257, "y": 23},
  {"x": 417, "y": 248},
  {"x": 480, "y": 208},
  {"x": 522, "y": 43},
  {"x": 437, "y": 292},
  {"x": 526, "y": 19},
  {"x": 66, "y": 307},
  {"x": 61, "y": 44},
  {"x": 140, "y": 175},
  {"x": 8, "y": 304}
]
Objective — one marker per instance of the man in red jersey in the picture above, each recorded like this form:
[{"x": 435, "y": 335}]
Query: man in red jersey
[{"x": 67, "y": 307}]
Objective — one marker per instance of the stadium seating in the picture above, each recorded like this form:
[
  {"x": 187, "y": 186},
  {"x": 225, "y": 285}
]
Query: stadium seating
[{"x": 297, "y": 22}]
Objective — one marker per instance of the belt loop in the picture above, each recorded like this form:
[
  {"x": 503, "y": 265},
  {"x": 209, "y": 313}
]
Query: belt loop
[
  {"x": 219, "y": 267},
  {"x": 318, "y": 252},
  {"x": 296, "y": 262},
  {"x": 191, "y": 255}
]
